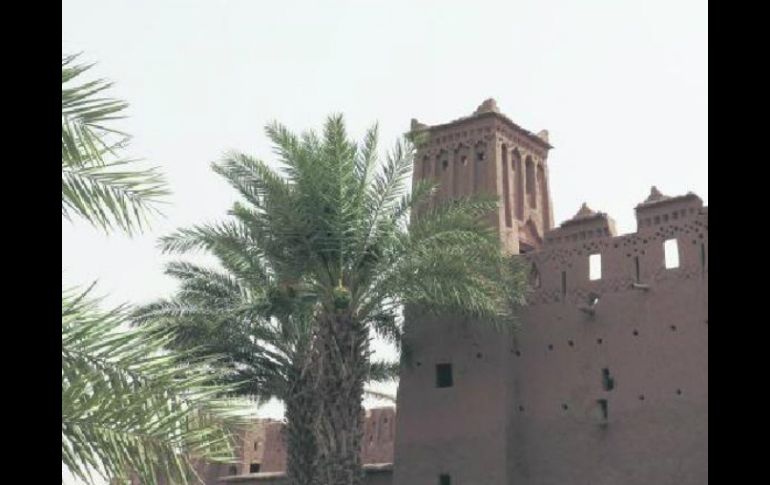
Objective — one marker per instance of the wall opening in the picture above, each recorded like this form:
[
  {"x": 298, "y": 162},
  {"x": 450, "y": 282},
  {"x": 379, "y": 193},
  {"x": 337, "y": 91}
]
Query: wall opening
[
  {"x": 425, "y": 167},
  {"x": 703, "y": 256},
  {"x": 456, "y": 168},
  {"x": 478, "y": 169},
  {"x": 595, "y": 267},
  {"x": 563, "y": 285},
  {"x": 256, "y": 445},
  {"x": 444, "y": 375},
  {"x": 254, "y": 468},
  {"x": 544, "y": 209},
  {"x": 671, "y": 253},
  {"x": 603, "y": 409},
  {"x": 437, "y": 167},
  {"x": 233, "y": 470},
  {"x": 519, "y": 183},
  {"x": 636, "y": 269},
  {"x": 529, "y": 182},
  {"x": 608, "y": 383},
  {"x": 444, "y": 479},
  {"x": 506, "y": 187}
]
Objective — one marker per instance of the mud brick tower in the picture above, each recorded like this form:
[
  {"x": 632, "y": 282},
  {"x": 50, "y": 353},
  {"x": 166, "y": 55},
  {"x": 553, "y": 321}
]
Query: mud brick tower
[{"x": 606, "y": 381}]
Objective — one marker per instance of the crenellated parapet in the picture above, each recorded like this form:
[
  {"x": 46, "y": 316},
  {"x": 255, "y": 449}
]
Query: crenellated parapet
[{"x": 630, "y": 262}]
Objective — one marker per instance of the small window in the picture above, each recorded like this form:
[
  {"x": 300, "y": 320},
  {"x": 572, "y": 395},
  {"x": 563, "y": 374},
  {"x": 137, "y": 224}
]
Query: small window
[
  {"x": 254, "y": 468},
  {"x": 444, "y": 479},
  {"x": 444, "y": 375},
  {"x": 638, "y": 274},
  {"x": 603, "y": 409},
  {"x": 671, "y": 253},
  {"x": 595, "y": 267},
  {"x": 256, "y": 445},
  {"x": 608, "y": 383},
  {"x": 563, "y": 284}
]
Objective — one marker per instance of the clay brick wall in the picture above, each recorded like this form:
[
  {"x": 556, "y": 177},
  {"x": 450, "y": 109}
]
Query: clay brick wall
[{"x": 604, "y": 382}]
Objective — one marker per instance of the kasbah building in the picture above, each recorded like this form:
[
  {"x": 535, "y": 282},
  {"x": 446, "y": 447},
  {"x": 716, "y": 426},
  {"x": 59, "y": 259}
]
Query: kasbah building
[{"x": 605, "y": 382}]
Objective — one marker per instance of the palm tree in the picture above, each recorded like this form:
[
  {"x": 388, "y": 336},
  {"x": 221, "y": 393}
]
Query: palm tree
[
  {"x": 262, "y": 331},
  {"x": 128, "y": 405},
  {"x": 333, "y": 221}
]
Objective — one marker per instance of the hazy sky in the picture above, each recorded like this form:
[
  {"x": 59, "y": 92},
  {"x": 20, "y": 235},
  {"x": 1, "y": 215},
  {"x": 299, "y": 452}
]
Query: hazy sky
[{"x": 620, "y": 85}]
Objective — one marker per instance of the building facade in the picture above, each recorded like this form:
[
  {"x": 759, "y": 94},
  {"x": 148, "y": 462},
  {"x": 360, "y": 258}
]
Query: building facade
[{"x": 605, "y": 381}]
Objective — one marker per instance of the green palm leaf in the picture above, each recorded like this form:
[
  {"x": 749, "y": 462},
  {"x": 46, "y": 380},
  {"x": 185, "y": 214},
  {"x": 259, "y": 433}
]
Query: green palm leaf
[{"x": 96, "y": 184}]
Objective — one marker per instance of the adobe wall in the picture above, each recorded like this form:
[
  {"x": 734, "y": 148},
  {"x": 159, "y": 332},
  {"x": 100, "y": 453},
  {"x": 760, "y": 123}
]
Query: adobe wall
[
  {"x": 525, "y": 408},
  {"x": 653, "y": 343},
  {"x": 457, "y": 430}
]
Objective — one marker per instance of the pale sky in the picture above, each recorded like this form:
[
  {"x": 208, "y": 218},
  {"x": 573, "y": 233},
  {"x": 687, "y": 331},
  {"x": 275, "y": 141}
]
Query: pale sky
[{"x": 621, "y": 86}]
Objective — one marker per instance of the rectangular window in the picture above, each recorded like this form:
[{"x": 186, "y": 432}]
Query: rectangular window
[
  {"x": 563, "y": 285},
  {"x": 444, "y": 479},
  {"x": 444, "y": 375},
  {"x": 595, "y": 267},
  {"x": 603, "y": 409},
  {"x": 671, "y": 253},
  {"x": 608, "y": 383},
  {"x": 254, "y": 468},
  {"x": 636, "y": 264}
]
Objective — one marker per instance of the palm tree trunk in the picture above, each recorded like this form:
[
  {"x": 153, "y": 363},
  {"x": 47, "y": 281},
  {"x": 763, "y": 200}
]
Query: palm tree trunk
[
  {"x": 341, "y": 366},
  {"x": 301, "y": 414}
]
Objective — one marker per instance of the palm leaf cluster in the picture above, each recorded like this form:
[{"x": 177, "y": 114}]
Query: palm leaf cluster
[
  {"x": 130, "y": 407},
  {"x": 98, "y": 185}
]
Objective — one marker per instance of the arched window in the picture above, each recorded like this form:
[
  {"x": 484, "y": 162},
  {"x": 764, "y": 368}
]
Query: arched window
[
  {"x": 544, "y": 209},
  {"x": 530, "y": 182},
  {"x": 506, "y": 187},
  {"x": 478, "y": 167},
  {"x": 518, "y": 183}
]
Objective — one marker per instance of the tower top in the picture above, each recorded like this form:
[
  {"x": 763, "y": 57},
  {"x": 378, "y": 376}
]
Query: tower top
[{"x": 488, "y": 108}]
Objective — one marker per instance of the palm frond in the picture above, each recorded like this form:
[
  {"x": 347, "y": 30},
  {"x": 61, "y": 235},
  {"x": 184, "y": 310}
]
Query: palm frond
[
  {"x": 128, "y": 406},
  {"x": 96, "y": 184}
]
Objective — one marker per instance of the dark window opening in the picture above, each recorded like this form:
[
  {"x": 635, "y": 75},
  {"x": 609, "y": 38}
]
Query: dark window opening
[
  {"x": 444, "y": 479},
  {"x": 636, "y": 263},
  {"x": 563, "y": 284},
  {"x": 444, "y": 375},
  {"x": 254, "y": 468},
  {"x": 608, "y": 383},
  {"x": 256, "y": 445},
  {"x": 603, "y": 408},
  {"x": 703, "y": 256},
  {"x": 506, "y": 188}
]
